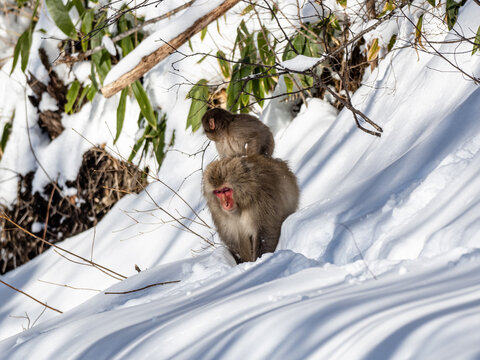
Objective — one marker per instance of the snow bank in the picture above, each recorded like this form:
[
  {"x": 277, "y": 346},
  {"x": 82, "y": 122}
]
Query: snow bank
[{"x": 381, "y": 260}]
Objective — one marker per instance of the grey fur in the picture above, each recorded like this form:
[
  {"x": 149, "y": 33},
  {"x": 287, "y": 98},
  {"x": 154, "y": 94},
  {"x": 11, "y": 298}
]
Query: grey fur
[
  {"x": 238, "y": 134},
  {"x": 265, "y": 192}
]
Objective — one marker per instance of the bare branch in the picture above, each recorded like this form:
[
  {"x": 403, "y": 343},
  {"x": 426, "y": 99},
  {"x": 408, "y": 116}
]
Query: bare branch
[
  {"x": 85, "y": 55},
  {"x": 30, "y": 296},
  {"x": 149, "y": 61},
  {"x": 5, "y": 217},
  {"x": 143, "y": 288}
]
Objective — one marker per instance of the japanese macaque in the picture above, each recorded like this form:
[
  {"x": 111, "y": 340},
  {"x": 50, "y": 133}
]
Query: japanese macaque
[
  {"x": 237, "y": 134},
  {"x": 249, "y": 198}
]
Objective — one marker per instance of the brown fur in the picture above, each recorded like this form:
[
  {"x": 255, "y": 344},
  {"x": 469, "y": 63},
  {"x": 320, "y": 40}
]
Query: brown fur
[
  {"x": 265, "y": 192},
  {"x": 238, "y": 134}
]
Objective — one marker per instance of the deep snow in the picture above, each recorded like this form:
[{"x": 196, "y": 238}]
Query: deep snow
[{"x": 382, "y": 260}]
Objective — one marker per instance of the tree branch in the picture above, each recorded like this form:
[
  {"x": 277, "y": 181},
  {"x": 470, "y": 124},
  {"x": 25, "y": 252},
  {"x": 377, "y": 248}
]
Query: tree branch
[
  {"x": 30, "y": 296},
  {"x": 149, "y": 61},
  {"x": 85, "y": 55}
]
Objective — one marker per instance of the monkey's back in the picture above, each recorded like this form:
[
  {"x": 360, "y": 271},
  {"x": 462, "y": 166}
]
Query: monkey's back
[{"x": 249, "y": 136}]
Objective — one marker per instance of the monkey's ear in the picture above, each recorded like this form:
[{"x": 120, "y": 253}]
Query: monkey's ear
[{"x": 211, "y": 123}]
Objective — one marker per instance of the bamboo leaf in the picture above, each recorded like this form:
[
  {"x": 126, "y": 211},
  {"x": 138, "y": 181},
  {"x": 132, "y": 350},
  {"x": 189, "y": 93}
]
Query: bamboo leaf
[
  {"x": 87, "y": 26},
  {"x": 199, "y": 95},
  {"x": 121, "y": 113},
  {"x": 418, "y": 31},
  {"x": 5, "y": 135},
  {"x": 224, "y": 64},
  {"x": 391, "y": 43},
  {"x": 137, "y": 146},
  {"x": 202, "y": 58},
  {"x": 248, "y": 9},
  {"x": 126, "y": 44},
  {"x": 373, "y": 50},
  {"x": 234, "y": 88},
  {"x": 82, "y": 96},
  {"x": 159, "y": 142},
  {"x": 288, "y": 83},
  {"x": 476, "y": 46},
  {"x": 203, "y": 33},
  {"x": 18, "y": 48},
  {"x": 72, "y": 96},
  {"x": 25, "y": 52},
  {"x": 262, "y": 44},
  {"x": 79, "y": 6},
  {"x": 144, "y": 103},
  {"x": 59, "y": 13},
  {"x": 258, "y": 91}
]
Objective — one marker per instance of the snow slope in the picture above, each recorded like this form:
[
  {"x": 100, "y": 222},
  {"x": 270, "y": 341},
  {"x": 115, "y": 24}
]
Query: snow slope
[{"x": 382, "y": 260}]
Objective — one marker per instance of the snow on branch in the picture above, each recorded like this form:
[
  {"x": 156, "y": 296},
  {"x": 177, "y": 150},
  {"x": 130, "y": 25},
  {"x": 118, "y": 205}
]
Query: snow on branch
[{"x": 131, "y": 68}]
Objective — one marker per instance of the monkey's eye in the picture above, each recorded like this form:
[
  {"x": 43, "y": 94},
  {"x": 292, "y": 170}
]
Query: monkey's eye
[{"x": 225, "y": 191}]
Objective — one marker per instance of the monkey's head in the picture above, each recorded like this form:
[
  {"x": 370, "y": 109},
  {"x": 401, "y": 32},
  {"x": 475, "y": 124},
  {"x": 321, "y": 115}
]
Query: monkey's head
[
  {"x": 215, "y": 121},
  {"x": 225, "y": 196},
  {"x": 228, "y": 182}
]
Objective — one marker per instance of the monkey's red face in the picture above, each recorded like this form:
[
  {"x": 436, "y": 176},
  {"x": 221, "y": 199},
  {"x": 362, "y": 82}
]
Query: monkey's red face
[
  {"x": 225, "y": 195},
  {"x": 211, "y": 123}
]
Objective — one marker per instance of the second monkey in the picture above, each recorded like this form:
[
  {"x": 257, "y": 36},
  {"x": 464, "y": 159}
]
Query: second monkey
[{"x": 237, "y": 134}]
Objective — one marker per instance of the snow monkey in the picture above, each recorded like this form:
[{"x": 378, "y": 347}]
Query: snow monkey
[
  {"x": 249, "y": 198},
  {"x": 237, "y": 134}
]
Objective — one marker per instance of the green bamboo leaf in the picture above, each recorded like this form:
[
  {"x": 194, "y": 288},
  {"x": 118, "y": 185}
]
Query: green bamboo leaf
[
  {"x": 203, "y": 33},
  {"x": 92, "y": 91},
  {"x": 307, "y": 81},
  {"x": 79, "y": 6},
  {"x": 25, "y": 52},
  {"x": 18, "y": 49},
  {"x": 202, "y": 58},
  {"x": 126, "y": 44},
  {"x": 199, "y": 95},
  {"x": 476, "y": 46},
  {"x": 137, "y": 147},
  {"x": 431, "y": 2},
  {"x": 234, "y": 88},
  {"x": 299, "y": 43},
  {"x": 248, "y": 9},
  {"x": 391, "y": 43},
  {"x": 144, "y": 103},
  {"x": 159, "y": 142},
  {"x": 262, "y": 45},
  {"x": 59, "y": 13},
  {"x": 7, "y": 129},
  {"x": 245, "y": 72},
  {"x": 72, "y": 96},
  {"x": 87, "y": 26},
  {"x": 418, "y": 31},
  {"x": 258, "y": 91},
  {"x": 102, "y": 59},
  {"x": 82, "y": 96},
  {"x": 121, "y": 113},
  {"x": 288, "y": 83},
  {"x": 224, "y": 64}
]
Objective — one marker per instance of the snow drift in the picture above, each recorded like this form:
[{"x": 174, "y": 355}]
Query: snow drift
[{"x": 382, "y": 260}]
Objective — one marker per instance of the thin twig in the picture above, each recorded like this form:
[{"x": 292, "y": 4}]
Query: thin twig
[
  {"x": 5, "y": 217},
  {"x": 176, "y": 220},
  {"x": 30, "y": 296},
  {"x": 85, "y": 55},
  {"x": 143, "y": 288},
  {"x": 46, "y": 219},
  {"x": 68, "y": 286}
]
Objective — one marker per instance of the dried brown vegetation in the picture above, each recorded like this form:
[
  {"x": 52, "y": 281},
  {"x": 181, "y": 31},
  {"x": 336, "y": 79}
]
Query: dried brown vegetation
[{"x": 102, "y": 181}]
